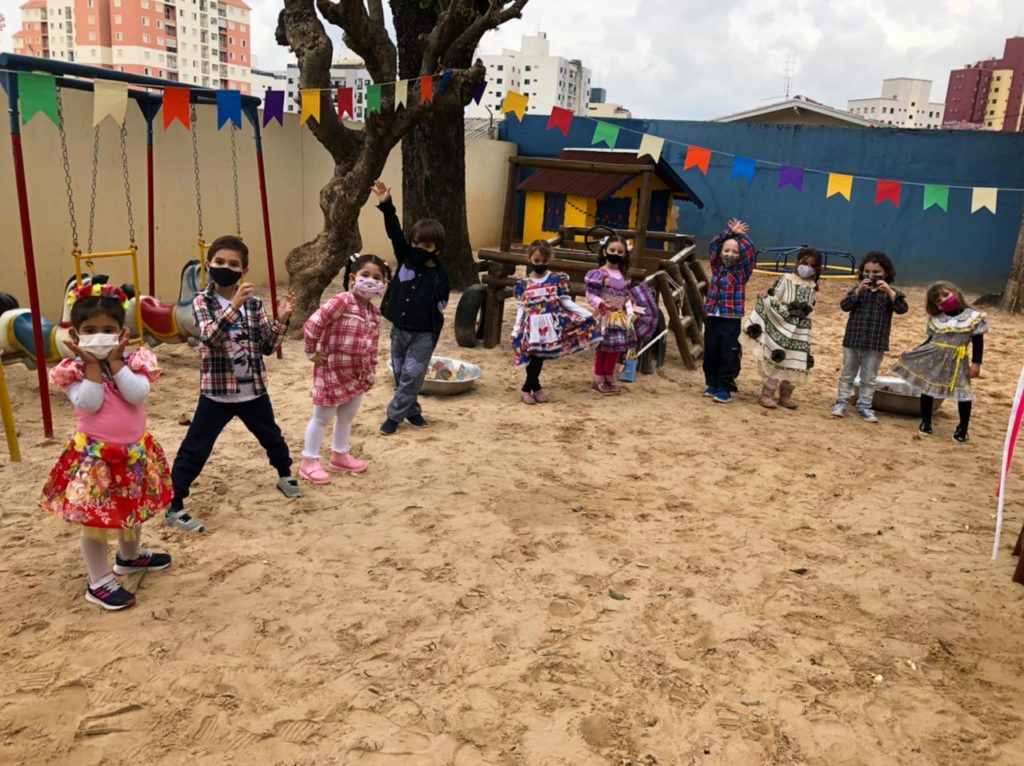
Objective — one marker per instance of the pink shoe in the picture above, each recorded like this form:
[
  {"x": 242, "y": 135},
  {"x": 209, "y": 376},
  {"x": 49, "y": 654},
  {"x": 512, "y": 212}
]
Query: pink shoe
[
  {"x": 311, "y": 470},
  {"x": 343, "y": 462},
  {"x": 527, "y": 397},
  {"x": 540, "y": 396}
]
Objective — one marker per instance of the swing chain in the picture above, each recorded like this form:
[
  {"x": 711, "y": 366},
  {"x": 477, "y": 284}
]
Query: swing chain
[
  {"x": 92, "y": 197},
  {"x": 234, "y": 173},
  {"x": 127, "y": 183},
  {"x": 195, "y": 167},
  {"x": 67, "y": 170}
]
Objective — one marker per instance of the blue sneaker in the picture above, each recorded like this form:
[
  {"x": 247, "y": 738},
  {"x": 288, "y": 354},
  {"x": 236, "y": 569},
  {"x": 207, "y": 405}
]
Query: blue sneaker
[
  {"x": 723, "y": 396},
  {"x": 711, "y": 391},
  {"x": 388, "y": 427}
]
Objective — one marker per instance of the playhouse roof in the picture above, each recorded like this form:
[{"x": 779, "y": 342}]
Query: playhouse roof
[{"x": 600, "y": 185}]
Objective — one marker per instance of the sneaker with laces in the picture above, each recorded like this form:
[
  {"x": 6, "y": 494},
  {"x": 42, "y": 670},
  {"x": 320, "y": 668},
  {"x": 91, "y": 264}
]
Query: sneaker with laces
[
  {"x": 839, "y": 411},
  {"x": 722, "y": 396},
  {"x": 960, "y": 435},
  {"x": 388, "y": 427},
  {"x": 181, "y": 520},
  {"x": 925, "y": 429},
  {"x": 110, "y": 595},
  {"x": 868, "y": 416},
  {"x": 146, "y": 561},
  {"x": 710, "y": 391},
  {"x": 417, "y": 421}
]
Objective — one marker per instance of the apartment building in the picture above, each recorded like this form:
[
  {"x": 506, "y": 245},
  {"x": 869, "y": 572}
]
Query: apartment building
[
  {"x": 196, "y": 42},
  {"x": 905, "y": 103},
  {"x": 989, "y": 94}
]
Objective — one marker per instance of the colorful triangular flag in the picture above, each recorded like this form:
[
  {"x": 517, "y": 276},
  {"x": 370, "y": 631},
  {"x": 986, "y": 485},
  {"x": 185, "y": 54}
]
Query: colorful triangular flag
[
  {"x": 651, "y": 146},
  {"x": 401, "y": 93},
  {"x": 176, "y": 107},
  {"x": 937, "y": 195},
  {"x": 984, "y": 198},
  {"x": 743, "y": 167},
  {"x": 345, "y": 103},
  {"x": 561, "y": 119},
  {"x": 841, "y": 184},
  {"x": 605, "y": 133},
  {"x": 888, "y": 191},
  {"x": 372, "y": 99},
  {"x": 478, "y": 91},
  {"x": 273, "y": 107},
  {"x": 109, "y": 99},
  {"x": 37, "y": 93},
  {"x": 426, "y": 89},
  {"x": 515, "y": 103},
  {"x": 310, "y": 106},
  {"x": 229, "y": 107},
  {"x": 446, "y": 80},
  {"x": 791, "y": 176},
  {"x": 697, "y": 157}
]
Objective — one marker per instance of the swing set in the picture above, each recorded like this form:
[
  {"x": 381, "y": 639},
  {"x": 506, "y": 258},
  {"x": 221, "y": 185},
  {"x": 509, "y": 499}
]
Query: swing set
[{"x": 148, "y": 95}]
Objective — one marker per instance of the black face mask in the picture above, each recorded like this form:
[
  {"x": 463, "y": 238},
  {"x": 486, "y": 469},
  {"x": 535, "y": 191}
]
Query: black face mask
[
  {"x": 223, "y": 276},
  {"x": 614, "y": 260},
  {"x": 419, "y": 256},
  {"x": 538, "y": 268}
]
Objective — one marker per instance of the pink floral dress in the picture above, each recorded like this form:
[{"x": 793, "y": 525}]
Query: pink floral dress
[{"x": 112, "y": 474}]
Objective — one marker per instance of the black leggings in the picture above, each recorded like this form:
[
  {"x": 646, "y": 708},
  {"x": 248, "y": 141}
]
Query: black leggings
[
  {"x": 927, "y": 403},
  {"x": 533, "y": 375}
]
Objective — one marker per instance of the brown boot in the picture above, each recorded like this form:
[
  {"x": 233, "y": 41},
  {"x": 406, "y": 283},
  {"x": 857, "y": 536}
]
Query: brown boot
[
  {"x": 767, "y": 398},
  {"x": 599, "y": 385},
  {"x": 786, "y": 395},
  {"x": 611, "y": 386}
]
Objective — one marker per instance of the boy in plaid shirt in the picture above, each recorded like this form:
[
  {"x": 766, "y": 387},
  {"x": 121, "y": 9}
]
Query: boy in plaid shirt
[
  {"x": 732, "y": 264},
  {"x": 234, "y": 333},
  {"x": 871, "y": 305}
]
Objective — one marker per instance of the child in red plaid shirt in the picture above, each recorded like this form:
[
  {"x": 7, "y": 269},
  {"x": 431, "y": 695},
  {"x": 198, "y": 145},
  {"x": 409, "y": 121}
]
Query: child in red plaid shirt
[{"x": 342, "y": 340}]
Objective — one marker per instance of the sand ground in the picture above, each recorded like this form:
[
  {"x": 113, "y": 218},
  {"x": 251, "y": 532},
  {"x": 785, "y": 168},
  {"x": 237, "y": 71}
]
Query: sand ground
[{"x": 798, "y": 590}]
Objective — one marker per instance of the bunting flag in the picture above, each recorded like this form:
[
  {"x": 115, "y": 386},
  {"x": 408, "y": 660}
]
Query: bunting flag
[
  {"x": 273, "y": 107},
  {"x": 1012, "y": 432},
  {"x": 229, "y": 107},
  {"x": 372, "y": 99},
  {"x": 176, "y": 102},
  {"x": 516, "y": 104},
  {"x": 37, "y": 93},
  {"x": 310, "y": 106},
  {"x": 401, "y": 93},
  {"x": 561, "y": 119},
  {"x": 934, "y": 194},
  {"x": 743, "y": 167},
  {"x": 840, "y": 184},
  {"x": 345, "y": 103},
  {"x": 651, "y": 146},
  {"x": 478, "y": 91},
  {"x": 697, "y": 157},
  {"x": 427, "y": 89},
  {"x": 888, "y": 191},
  {"x": 109, "y": 99},
  {"x": 605, "y": 133},
  {"x": 984, "y": 198},
  {"x": 446, "y": 80},
  {"x": 791, "y": 176}
]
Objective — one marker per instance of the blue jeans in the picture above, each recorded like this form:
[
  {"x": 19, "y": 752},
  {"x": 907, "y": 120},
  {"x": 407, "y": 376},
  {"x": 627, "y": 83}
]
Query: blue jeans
[
  {"x": 867, "y": 364},
  {"x": 410, "y": 361}
]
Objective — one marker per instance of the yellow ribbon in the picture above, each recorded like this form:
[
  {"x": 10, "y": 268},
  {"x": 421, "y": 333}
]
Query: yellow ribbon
[{"x": 961, "y": 355}]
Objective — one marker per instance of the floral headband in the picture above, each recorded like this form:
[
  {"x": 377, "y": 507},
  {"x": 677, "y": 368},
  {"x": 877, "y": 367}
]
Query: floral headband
[{"x": 97, "y": 291}]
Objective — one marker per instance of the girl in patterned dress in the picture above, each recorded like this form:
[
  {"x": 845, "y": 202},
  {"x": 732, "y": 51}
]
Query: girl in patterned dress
[
  {"x": 549, "y": 324},
  {"x": 112, "y": 475},
  {"x": 778, "y": 331},
  {"x": 608, "y": 292},
  {"x": 342, "y": 339},
  {"x": 942, "y": 367}
]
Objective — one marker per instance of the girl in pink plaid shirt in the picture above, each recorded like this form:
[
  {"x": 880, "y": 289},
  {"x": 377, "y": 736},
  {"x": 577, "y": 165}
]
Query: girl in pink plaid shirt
[{"x": 342, "y": 339}]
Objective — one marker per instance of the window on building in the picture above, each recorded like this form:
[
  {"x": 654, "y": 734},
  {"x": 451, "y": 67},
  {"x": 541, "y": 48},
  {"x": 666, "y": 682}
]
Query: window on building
[
  {"x": 92, "y": 37},
  {"x": 145, "y": 4},
  {"x": 527, "y": 67},
  {"x": 243, "y": 58},
  {"x": 146, "y": 70},
  {"x": 526, "y": 82},
  {"x": 117, "y": 3},
  {"x": 118, "y": 36},
  {"x": 145, "y": 21},
  {"x": 92, "y": 19},
  {"x": 243, "y": 44},
  {"x": 498, "y": 81},
  {"x": 159, "y": 24}
]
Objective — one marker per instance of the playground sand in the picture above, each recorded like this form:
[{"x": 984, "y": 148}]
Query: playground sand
[{"x": 788, "y": 589}]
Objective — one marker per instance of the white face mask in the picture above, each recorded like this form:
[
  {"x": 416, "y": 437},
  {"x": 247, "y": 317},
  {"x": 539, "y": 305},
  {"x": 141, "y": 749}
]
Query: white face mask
[
  {"x": 100, "y": 344},
  {"x": 368, "y": 287},
  {"x": 805, "y": 271}
]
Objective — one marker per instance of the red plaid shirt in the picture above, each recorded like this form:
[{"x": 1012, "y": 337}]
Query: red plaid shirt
[
  {"x": 349, "y": 334},
  {"x": 727, "y": 288},
  {"x": 216, "y": 367}
]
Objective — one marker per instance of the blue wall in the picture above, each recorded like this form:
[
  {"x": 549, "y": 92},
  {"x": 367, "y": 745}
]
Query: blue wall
[{"x": 972, "y": 250}]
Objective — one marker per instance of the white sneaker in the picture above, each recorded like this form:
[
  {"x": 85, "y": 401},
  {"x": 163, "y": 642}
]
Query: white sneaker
[
  {"x": 868, "y": 416},
  {"x": 839, "y": 411}
]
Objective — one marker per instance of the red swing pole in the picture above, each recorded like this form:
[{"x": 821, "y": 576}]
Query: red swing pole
[
  {"x": 267, "y": 238},
  {"x": 11, "y": 82}
]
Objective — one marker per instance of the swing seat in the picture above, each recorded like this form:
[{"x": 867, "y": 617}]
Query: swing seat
[{"x": 158, "y": 318}]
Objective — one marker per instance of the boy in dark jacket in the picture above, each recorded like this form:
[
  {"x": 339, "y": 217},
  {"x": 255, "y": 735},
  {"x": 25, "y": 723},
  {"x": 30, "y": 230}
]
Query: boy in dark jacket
[{"x": 414, "y": 304}]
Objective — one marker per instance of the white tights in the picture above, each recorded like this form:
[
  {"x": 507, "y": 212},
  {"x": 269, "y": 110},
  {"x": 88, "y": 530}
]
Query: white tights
[
  {"x": 317, "y": 428},
  {"x": 94, "y": 551}
]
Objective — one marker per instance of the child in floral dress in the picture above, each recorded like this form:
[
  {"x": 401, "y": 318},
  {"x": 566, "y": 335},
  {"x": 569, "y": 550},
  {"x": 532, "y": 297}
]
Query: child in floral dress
[
  {"x": 608, "y": 292},
  {"x": 342, "y": 340},
  {"x": 549, "y": 324},
  {"x": 112, "y": 475}
]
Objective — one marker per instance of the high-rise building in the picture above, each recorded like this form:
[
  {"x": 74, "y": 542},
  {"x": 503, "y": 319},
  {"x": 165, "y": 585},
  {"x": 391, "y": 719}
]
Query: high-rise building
[
  {"x": 989, "y": 94},
  {"x": 197, "y": 42},
  {"x": 904, "y": 103},
  {"x": 548, "y": 80}
]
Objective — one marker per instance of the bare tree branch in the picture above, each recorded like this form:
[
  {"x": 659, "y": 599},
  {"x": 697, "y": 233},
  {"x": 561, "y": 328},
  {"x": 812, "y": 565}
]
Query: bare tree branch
[
  {"x": 365, "y": 35},
  {"x": 497, "y": 14}
]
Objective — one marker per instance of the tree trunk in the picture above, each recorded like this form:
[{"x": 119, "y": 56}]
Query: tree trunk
[
  {"x": 434, "y": 186},
  {"x": 1013, "y": 295}
]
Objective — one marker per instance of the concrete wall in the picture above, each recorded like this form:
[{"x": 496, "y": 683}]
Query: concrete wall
[
  {"x": 296, "y": 168},
  {"x": 973, "y": 250}
]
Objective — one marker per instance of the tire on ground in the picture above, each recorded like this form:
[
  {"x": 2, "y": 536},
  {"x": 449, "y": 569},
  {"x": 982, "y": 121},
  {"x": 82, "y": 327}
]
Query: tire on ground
[{"x": 469, "y": 316}]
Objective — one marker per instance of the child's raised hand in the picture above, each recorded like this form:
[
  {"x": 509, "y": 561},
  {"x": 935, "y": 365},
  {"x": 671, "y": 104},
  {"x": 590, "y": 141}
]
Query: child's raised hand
[
  {"x": 85, "y": 356},
  {"x": 285, "y": 306},
  {"x": 118, "y": 352},
  {"x": 382, "y": 191},
  {"x": 736, "y": 226}
]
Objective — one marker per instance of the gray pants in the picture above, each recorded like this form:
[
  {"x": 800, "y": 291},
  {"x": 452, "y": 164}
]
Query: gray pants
[
  {"x": 867, "y": 363},
  {"x": 410, "y": 360}
]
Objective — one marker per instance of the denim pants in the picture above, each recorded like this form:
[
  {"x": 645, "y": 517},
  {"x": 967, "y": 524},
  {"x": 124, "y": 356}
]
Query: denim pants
[
  {"x": 410, "y": 361},
  {"x": 721, "y": 352},
  {"x": 865, "y": 362}
]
